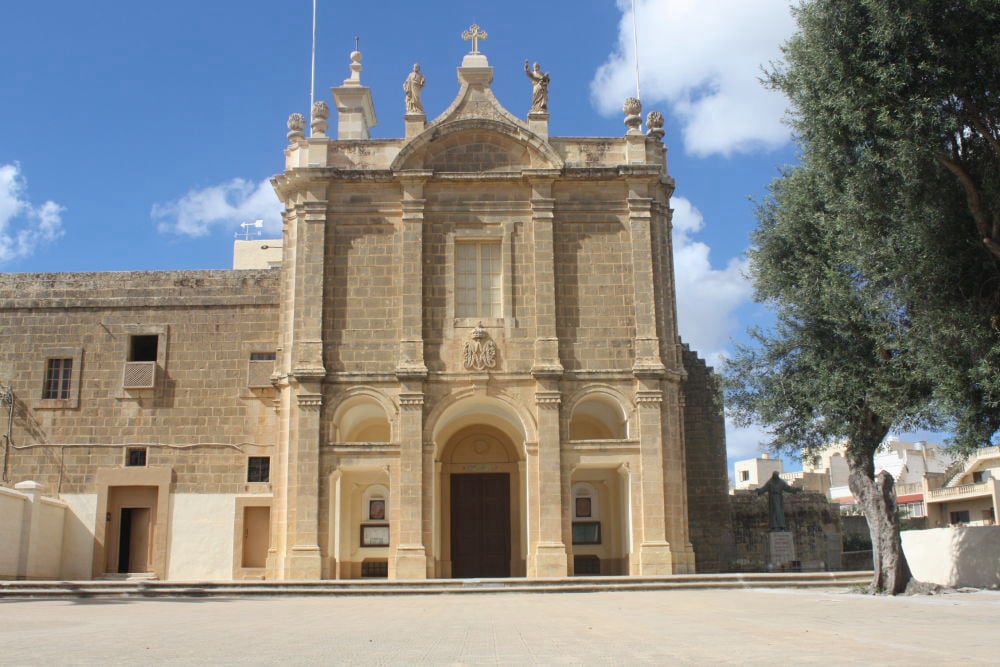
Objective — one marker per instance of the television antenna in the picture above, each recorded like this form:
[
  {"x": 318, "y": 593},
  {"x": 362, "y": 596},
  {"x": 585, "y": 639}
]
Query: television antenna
[{"x": 250, "y": 228}]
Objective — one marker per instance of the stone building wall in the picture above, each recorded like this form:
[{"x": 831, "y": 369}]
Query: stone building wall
[
  {"x": 707, "y": 478},
  {"x": 201, "y": 419}
]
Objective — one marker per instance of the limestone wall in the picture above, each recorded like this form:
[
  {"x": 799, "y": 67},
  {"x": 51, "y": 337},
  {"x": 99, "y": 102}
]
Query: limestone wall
[
  {"x": 812, "y": 520},
  {"x": 201, "y": 418},
  {"x": 707, "y": 479}
]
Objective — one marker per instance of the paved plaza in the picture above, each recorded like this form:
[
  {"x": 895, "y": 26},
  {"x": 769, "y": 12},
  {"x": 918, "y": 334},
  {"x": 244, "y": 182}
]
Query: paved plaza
[{"x": 659, "y": 627}]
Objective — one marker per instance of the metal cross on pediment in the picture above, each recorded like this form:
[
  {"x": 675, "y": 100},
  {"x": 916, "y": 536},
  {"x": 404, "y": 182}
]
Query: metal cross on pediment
[{"x": 474, "y": 33}]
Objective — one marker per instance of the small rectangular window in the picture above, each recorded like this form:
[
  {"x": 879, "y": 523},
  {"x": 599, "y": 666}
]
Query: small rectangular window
[
  {"x": 259, "y": 469},
  {"x": 262, "y": 356},
  {"x": 375, "y": 569},
  {"x": 587, "y": 532},
  {"x": 478, "y": 279},
  {"x": 58, "y": 373},
  {"x": 135, "y": 457},
  {"x": 744, "y": 475},
  {"x": 143, "y": 348}
]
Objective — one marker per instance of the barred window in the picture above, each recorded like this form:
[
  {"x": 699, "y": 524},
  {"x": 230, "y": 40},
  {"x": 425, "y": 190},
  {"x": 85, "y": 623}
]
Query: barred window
[
  {"x": 259, "y": 469},
  {"x": 478, "y": 279},
  {"x": 57, "y": 379}
]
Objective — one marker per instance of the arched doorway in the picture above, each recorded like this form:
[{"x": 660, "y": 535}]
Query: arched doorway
[{"x": 481, "y": 508}]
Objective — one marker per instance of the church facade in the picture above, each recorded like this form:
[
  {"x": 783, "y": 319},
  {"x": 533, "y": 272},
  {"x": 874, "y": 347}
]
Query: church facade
[{"x": 466, "y": 365}]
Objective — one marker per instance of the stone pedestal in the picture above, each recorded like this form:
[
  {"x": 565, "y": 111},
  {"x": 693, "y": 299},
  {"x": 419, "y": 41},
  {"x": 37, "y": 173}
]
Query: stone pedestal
[
  {"x": 414, "y": 123},
  {"x": 538, "y": 122},
  {"x": 781, "y": 550}
]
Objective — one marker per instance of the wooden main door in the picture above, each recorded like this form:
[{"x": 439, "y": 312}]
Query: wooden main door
[{"x": 480, "y": 525}]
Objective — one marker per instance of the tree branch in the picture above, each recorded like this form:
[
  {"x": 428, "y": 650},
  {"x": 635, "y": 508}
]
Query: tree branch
[
  {"x": 974, "y": 197},
  {"x": 976, "y": 119}
]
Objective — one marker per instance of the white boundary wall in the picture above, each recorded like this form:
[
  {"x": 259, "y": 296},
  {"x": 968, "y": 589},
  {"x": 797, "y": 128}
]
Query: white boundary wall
[
  {"x": 31, "y": 533},
  {"x": 201, "y": 537},
  {"x": 954, "y": 556}
]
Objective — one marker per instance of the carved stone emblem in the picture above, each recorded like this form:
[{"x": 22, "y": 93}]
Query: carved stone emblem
[{"x": 480, "y": 352}]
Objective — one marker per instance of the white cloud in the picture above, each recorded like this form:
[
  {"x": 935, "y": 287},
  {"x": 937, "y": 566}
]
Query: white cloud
[
  {"x": 703, "y": 59},
  {"x": 225, "y": 205},
  {"x": 744, "y": 442},
  {"x": 23, "y": 225},
  {"x": 706, "y": 297}
]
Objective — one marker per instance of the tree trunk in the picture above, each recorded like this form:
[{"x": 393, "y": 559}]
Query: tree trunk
[{"x": 877, "y": 498}]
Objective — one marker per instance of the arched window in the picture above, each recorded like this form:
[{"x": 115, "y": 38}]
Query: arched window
[
  {"x": 362, "y": 419},
  {"x": 597, "y": 417}
]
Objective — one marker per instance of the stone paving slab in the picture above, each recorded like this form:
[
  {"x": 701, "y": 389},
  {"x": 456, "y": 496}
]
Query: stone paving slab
[{"x": 609, "y": 628}]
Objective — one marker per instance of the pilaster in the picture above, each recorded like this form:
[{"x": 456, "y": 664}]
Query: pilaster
[
  {"x": 543, "y": 246},
  {"x": 409, "y": 554},
  {"x": 547, "y": 556},
  {"x": 411, "y": 344},
  {"x": 654, "y": 550},
  {"x": 647, "y": 344}
]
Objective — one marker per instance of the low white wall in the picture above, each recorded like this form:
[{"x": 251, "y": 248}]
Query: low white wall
[
  {"x": 201, "y": 537},
  {"x": 31, "y": 533},
  {"x": 954, "y": 556},
  {"x": 78, "y": 538},
  {"x": 45, "y": 548},
  {"x": 11, "y": 519}
]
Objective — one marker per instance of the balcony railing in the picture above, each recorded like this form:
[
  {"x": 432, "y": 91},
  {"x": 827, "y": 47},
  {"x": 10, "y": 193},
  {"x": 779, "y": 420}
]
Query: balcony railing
[
  {"x": 964, "y": 490},
  {"x": 139, "y": 375}
]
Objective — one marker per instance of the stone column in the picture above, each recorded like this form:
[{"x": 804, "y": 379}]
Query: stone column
[
  {"x": 409, "y": 555},
  {"x": 410, "y": 558},
  {"x": 411, "y": 344},
  {"x": 647, "y": 344},
  {"x": 302, "y": 559},
  {"x": 543, "y": 246},
  {"x": 675, "y": 479},
  {"x": 654, "y": 550},
  {"x": 547, "y": 551},
  {"x": 548, "y": 556}
]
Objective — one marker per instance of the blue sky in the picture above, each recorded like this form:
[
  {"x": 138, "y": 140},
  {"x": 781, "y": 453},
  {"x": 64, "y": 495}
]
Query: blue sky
[{"x": 139, "y": 135}]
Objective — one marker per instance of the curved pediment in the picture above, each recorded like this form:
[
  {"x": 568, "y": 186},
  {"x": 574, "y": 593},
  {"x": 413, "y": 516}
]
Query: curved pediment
[
  {"x": 472, "y": 145},
  {"x": 476, "y": 134}
]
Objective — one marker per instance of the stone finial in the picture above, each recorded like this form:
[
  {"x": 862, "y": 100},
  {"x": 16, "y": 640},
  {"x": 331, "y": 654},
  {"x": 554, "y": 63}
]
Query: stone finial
[
  {"x": 355, "y": 78},
  {"x": 320, "y": 114},
  {"x": 632, "y": 109},
  {"x": 654, "y": 124},
  {"x": 296, "y": 127}
]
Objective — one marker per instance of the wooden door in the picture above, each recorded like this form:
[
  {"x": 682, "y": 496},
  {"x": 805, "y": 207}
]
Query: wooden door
[
  {"x": 256, "y": 535},
  {"x": 480, "y": 525}
]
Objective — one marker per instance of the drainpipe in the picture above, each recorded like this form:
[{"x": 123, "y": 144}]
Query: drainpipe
[{"x": 7, "y": 397}]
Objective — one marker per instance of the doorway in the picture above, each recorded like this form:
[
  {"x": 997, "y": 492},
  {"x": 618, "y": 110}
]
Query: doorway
[
  {"x": 480, "y": 525},
  {"x": 133, "y": 540},
  {"x": 256, "y": 535}
]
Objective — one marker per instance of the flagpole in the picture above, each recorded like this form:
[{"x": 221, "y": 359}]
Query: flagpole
[
  {"x": 312, "y": 76},
  {"x": 635, "y": 36}
]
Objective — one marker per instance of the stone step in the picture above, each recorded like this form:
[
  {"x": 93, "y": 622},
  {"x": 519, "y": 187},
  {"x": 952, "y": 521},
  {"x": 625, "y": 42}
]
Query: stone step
[{"x": 166, "y": 589}]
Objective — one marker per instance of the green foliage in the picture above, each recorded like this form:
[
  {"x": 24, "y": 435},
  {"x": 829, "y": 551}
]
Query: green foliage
[{"x": 880, "y": 252}]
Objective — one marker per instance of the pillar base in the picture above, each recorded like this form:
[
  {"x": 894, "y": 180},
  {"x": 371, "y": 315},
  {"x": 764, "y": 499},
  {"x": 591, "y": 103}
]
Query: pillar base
[
  {"x": 409, "y": 562},
  {"x": 683, "y": 559},
  {"x": 549, "y": 560},
  {"x": 654, "y": 559},
  {"x": 303, "y": 564}
]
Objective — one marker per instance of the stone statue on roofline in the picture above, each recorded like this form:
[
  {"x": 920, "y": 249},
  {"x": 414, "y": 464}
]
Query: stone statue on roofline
[
  {"x": 539, "y": 88},
  {"x": 413, "y": 87}
]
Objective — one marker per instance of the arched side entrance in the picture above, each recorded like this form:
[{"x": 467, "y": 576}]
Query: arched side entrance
[{"x": 480, "y": 511}]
